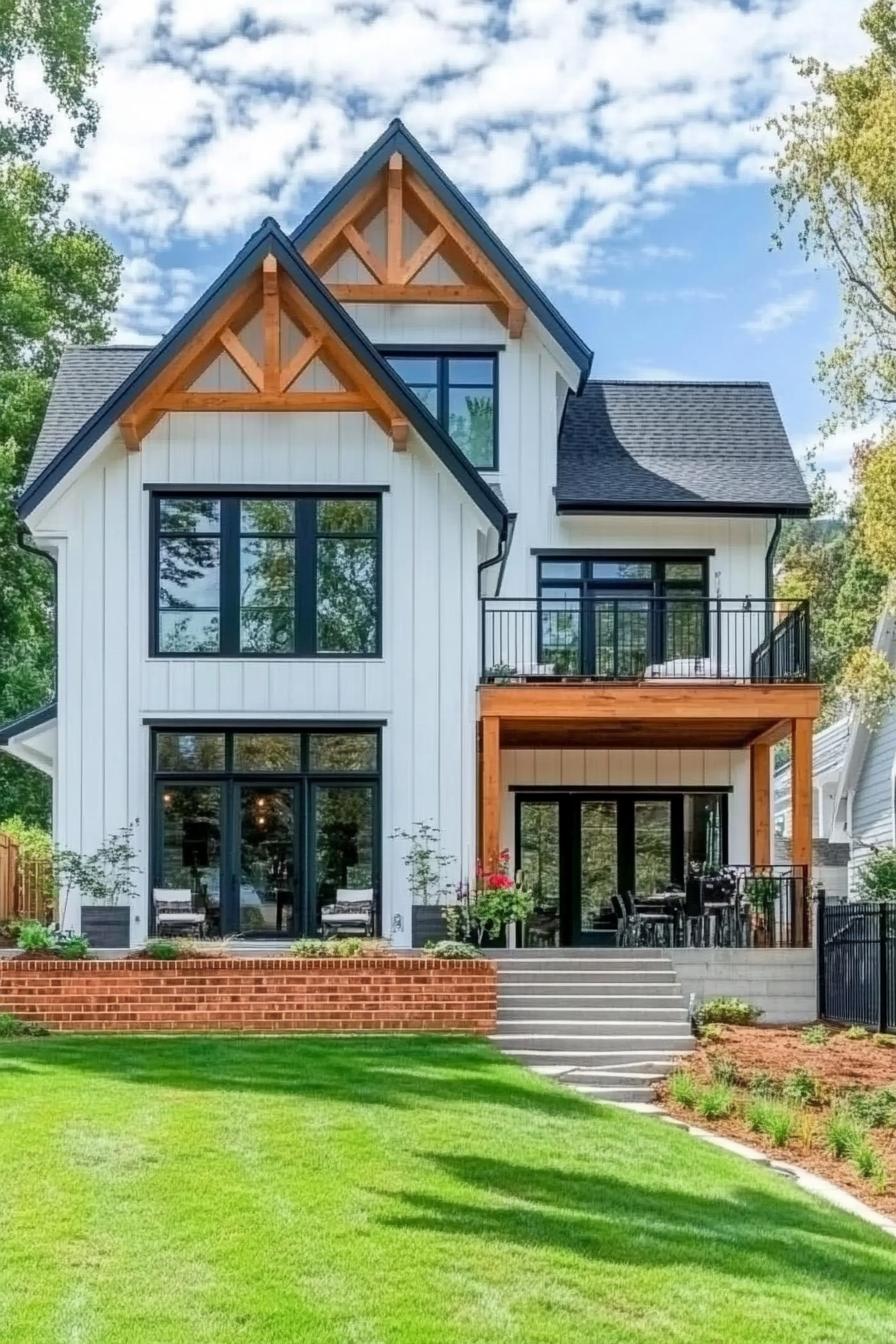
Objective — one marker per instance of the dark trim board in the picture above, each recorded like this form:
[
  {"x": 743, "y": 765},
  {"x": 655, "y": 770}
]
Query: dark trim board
[
  {"x": 622, "y": 553},
  {"x": 612, "y": 790},
  {"x": 682, "y": 509},
  {"x": 279, "y": 725},
  {"x": 211, "y": 488}
]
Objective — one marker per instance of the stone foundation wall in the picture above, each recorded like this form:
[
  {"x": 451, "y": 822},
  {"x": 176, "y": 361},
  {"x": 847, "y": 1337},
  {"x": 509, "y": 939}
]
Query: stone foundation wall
[{"x": 780, "y": 981}]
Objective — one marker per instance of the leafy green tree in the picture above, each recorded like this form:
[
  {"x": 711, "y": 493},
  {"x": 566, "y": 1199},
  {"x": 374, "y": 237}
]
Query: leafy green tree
[{"x": 58, "y": 286}]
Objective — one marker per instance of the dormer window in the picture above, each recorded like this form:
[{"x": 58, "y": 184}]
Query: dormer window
[{"x": 460, "y": 389}]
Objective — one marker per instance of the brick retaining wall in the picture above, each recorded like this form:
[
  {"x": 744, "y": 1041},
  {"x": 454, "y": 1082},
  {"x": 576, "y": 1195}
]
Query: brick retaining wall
[{"x": 253, "y": 994}]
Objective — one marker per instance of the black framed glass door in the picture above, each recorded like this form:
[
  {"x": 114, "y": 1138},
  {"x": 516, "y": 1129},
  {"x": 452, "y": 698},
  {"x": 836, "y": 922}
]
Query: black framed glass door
[
  {"x": 577, "y": 850},
  {"x": 265, "y": 828}
]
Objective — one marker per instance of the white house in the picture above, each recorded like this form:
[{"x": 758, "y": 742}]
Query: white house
[{"x": 359, "y": 545}]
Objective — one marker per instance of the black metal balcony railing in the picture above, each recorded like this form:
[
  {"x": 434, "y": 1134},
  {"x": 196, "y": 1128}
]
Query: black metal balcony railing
[{"x": 634, "y": 638}]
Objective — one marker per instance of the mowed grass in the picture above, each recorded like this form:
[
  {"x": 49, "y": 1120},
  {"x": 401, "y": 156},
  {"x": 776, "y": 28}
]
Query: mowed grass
[{"x": 391, "y": 1190}]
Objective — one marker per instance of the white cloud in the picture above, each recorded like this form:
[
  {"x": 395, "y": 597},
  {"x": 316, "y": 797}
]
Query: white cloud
[
  {"x": 568, "y": 123},
  {"x": 779, "y": 313}
]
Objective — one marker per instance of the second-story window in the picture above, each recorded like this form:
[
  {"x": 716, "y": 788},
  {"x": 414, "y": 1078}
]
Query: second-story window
[
  {"x": 460, "y": 391},
  {"x": 263, "y": 575}
]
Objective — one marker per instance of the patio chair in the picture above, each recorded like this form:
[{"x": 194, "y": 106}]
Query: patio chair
[
  {"x": 351, "y": 912},
  {"x": 174, "y": 912},
  {"x": 656, "y": 928},
  {"x": 626, "y": 928}
]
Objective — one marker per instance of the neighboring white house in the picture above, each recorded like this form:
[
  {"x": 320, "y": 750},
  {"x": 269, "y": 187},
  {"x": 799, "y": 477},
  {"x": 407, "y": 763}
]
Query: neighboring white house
[
  {"x": 359, "y": 545},
  {"x": 864, "y": 803},
  {"x": 830, "y": 858}
]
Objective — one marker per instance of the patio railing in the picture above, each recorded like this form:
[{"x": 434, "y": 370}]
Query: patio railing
[{"x": 633, "y": 638}]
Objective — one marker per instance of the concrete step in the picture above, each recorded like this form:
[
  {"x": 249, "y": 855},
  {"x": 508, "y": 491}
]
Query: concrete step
[
  {"x": 628, "y": 1095},
  {"x": 649, "y": 1002},
  {"x": 588, "y": 1055},
  {"x": 532, "y": 981},
  {"x": 665, "y": 1038},
  {"x": 587, "y": 1026},
  {"x": 545, "y": 1010},
  {"x": 605, "y": 961},
  {"x": 574, "y": 953},
  {"x": 641, "y": 1074}
]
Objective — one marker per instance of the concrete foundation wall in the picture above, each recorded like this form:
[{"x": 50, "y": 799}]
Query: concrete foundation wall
[{"x": 780, "y": 981}]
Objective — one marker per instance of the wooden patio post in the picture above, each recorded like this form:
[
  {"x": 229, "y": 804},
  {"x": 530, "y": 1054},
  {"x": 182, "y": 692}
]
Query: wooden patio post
[
  {"x": 491, "y": 790},
  {"x": 801, "y": 815},
  {"x": 760, "y": 800}
]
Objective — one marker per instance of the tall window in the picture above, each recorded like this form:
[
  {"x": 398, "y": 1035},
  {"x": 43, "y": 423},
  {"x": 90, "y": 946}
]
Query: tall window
[
  {"x": 264, "y": 575},
  {"x": 460, "y": 392}
]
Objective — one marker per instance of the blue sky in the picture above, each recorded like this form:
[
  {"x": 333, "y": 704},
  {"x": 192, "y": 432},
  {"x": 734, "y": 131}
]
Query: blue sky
[{"x": 617, "y": 146}]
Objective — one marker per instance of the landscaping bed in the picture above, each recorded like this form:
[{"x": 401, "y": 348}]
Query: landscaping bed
[{"x": 822, "y": 1097}]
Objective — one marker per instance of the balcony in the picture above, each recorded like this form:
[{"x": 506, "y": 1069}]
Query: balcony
[{"x": 724, "y": 641}]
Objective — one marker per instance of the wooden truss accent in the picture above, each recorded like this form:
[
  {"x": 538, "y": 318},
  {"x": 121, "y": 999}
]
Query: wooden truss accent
[
  {"x": 399, "y": 191},
  {"x": 270, "y": 293}
]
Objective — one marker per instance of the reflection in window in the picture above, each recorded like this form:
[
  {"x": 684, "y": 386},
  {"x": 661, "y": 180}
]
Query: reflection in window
[
  {"x": 189, "y": 576},
  {"x": 459, "y": 390},
  {"x": 342, "y": 751},
  {"x": 190, "y": 751},
  {"x": 540, "y": 861},
  {"x": 599, "y": 861},
  {"x": 703, "y": 829},
  {"x": 191, "y": 840},
  {"x": 343, "y": 828},
  {"x": 274, "y": 752},
  {"x": 346, "y": 576},
  {"x": 653, "y": 846}
]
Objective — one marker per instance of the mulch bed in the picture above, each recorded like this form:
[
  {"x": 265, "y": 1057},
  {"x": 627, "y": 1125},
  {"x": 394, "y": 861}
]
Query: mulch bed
[{"x": 839, "y": 1064}]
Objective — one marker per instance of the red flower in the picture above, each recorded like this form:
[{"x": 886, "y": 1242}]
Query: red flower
[{"x": 498, "y": 881}]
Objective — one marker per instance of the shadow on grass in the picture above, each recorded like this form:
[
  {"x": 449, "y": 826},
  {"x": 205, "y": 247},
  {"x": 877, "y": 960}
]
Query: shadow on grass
[
  {"x": 747, "y": 1232},
  {"x": 395, "y": 1071}
]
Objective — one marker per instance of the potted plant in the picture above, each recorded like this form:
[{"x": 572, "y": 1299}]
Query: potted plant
[
  {"x": 500, "y": 903},
  {"x": 425, "y": 864},
  {"x": 105, "y": 882}
]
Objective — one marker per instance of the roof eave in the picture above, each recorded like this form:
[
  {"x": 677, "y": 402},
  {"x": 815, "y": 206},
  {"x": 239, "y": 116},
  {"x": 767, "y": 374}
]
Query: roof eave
[
  {"x": 26, "y": 723},
  {"x": 758, "y": 509}
]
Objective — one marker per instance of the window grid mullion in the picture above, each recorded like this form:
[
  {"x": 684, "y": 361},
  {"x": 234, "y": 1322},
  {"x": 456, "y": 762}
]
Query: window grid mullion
[
  {"x": 306, "y": 576},
  {"x": 230, "y": 575}
]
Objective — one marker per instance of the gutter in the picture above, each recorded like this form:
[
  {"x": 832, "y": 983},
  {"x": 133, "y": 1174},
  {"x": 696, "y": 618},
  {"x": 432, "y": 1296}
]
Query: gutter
[{"x": 500, "y": 557}]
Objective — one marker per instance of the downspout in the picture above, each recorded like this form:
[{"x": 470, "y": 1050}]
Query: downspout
[
  {"x": 24, "y": 544},
  {"x": 770, "y": 560},
  {"x": 500, "y": 557}
]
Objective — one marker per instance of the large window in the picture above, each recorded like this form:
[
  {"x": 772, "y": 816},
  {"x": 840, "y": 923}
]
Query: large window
[
  {"x": 613, "y": 616},
  {"x": 266, "y": 575},
  {"x": 460, "y": 391}
]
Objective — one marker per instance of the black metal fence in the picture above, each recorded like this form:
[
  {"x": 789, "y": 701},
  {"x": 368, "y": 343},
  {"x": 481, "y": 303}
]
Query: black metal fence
[
  {"x": 856, "y": 944},
  {"x": 629, "y": 638}
]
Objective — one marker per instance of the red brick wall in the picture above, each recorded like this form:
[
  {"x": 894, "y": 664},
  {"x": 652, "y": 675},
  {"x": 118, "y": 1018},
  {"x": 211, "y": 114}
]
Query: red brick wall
[{"x": 253, "y": 994}]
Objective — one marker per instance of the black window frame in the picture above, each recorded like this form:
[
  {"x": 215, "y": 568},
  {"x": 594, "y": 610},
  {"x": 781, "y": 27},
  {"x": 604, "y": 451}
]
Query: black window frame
[
  {"x": 305, "y": 537},
  {"x": 660, "y": 588},
  {"x": 443, "y": 355}
]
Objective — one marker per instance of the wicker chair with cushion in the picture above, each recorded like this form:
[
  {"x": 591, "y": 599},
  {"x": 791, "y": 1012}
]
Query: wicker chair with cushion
[{"x": 174, "y": 912}]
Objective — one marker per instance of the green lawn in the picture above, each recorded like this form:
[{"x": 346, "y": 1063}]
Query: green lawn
[{"x": 388, "y": 1190}]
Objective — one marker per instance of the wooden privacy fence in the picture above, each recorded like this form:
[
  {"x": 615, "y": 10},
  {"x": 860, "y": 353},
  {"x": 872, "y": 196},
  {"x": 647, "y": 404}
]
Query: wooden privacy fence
[{"x": 26, "y": 885}]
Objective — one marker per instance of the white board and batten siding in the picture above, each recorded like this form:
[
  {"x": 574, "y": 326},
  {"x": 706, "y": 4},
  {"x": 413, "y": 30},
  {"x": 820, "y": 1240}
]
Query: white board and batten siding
[
  {"x": 874, "y": 800},
  {"x": 423, "y": 687}
]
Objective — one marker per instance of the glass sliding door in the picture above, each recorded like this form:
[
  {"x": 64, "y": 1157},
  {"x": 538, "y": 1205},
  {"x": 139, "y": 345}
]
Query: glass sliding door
[
  {"x": 190, "y": 826},
  {"x": 652, "y": 845},
  {"x": 598, "y": 863},
  {"x": 266, "y": 862},
  {"x": 539, "y": 858}
]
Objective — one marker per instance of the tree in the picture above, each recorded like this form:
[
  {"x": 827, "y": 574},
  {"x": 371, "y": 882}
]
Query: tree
[
  {"x": 58, "y": 285},
  {"x": 836, "y": 179}
]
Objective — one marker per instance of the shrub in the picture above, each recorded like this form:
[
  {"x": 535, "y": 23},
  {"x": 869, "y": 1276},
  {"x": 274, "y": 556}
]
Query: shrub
[
  {"x": 857, "y": 1034},
  {"x": 816, "y": 1035},
  {"x": 877, "y": 876},
  {"x": 715, "y": 1102},
  {"x": 802, "y": 1087},
  {"x": 683, "y": 1089},
  {"x": 876, "y": 1109},
  {"x": 11, "y": 1026},
  {"x": 36, "y": 937},
  {"x": 724, "y": 1070},
  {"x": 163, "y": 949},
  {"x": 868, "y": 1163},
  {"x": 843, "y": 1133},
  {"x": 448, "y": 950},
  {"x": 733, "y": 1012},
  {"x": 713, "y": 1031},
  {"x": 71, "y": 946},
  {"x": 762, "y": 1084},
  {"x": 885, "y": 1041},
  {"x": 774, "y": 1119},
  {"x": 327, "y": 947}
]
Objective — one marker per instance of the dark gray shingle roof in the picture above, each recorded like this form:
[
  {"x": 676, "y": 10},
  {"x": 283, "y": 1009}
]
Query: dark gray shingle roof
[
  {"x": 700, "y": 446},
  {"x": 86, "y": 376}
]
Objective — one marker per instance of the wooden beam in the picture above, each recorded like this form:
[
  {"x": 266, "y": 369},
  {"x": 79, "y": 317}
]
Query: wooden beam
[
  {"x": 270, "y": 288},
  {"x": 516, "y": 320},
  {"x": 398, "y": 293},
  {"x": 801, "y": 824},
  {"x": 772, "y": 735},
  {"x": 128, "y": 426},
  {"x": 422, "y": 253},
  {"x": 760, "y": 804},
  {"x": 394, "y": 218},
  {"x": 264, "y": 401},
  {"x": 398, "y": 429},
  {"x": 245, "y": 361},
  {"x": 300, "y": 360},
  {"x": 329, "y": 236},
  {"x": 653, "y": 701},
  {"x": 491, "y": 792},
  {"x": 363, "y": 249}
]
